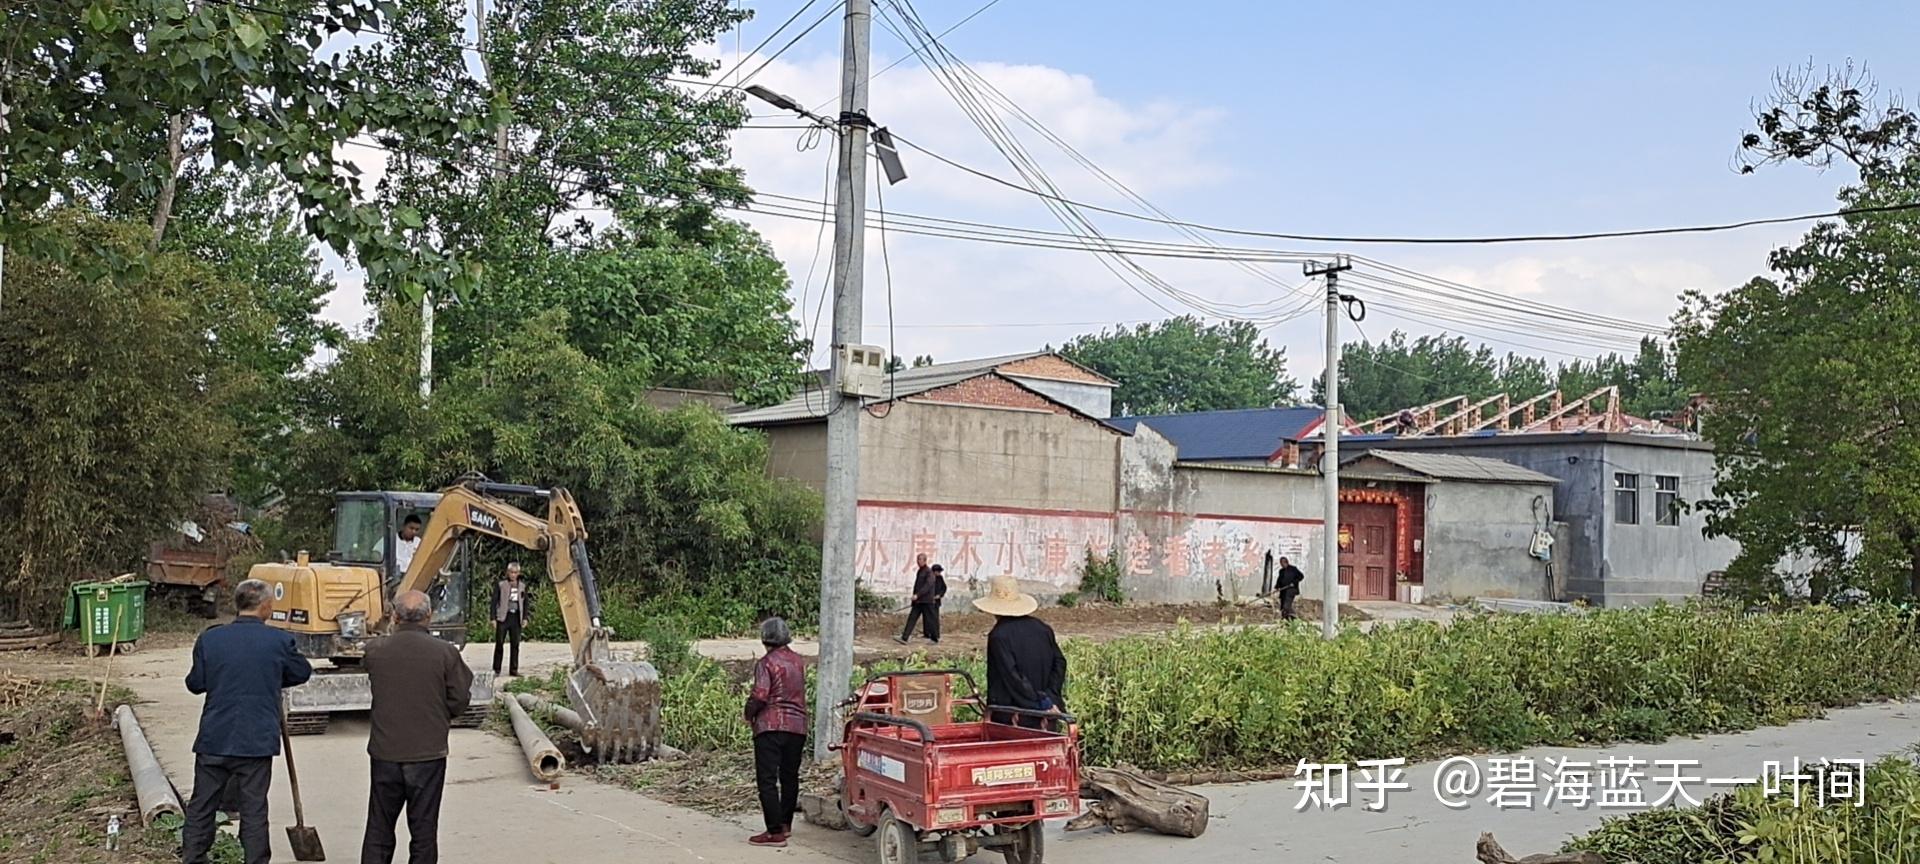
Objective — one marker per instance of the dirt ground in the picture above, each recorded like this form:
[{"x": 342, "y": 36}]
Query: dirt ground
[
  {"x": 63, "y": 776},
  {"x": 963, "y": 632}
]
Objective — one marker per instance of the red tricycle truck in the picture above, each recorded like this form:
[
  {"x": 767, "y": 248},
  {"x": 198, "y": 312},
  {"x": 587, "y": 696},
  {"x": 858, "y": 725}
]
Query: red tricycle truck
[{"x": 922, "y": 779}]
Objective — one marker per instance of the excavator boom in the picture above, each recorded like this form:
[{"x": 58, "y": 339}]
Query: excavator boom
[{"x": 619, "y": 699}]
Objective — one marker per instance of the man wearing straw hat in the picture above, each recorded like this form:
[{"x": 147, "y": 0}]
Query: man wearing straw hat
[{"x": 1025, "y": 668}]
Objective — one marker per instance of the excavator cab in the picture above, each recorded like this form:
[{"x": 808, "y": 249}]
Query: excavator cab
[{"x": 367, "y": 524}]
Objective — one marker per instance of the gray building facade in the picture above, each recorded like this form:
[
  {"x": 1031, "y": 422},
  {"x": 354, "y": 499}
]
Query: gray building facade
[{"x": 1629, "y": 539}]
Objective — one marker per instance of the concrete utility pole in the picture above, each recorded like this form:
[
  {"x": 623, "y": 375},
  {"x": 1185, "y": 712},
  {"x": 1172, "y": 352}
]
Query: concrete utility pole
[
  {"x": 839, "y": 546},
  {"x": 426, "y": 344},
  {"x": 1330, "y": 452}
]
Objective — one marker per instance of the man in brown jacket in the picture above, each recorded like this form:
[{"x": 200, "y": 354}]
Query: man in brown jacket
[{"x": 420, "y": 684}]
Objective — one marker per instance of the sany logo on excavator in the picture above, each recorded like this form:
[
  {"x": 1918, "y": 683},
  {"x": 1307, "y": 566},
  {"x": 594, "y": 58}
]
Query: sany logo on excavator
[{"x": 483, "y": 520}]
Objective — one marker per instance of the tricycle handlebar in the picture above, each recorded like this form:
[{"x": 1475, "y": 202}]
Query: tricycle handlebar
[
  {"x": 1055, "y": 716},
  {"x": 926, "y": 735}
]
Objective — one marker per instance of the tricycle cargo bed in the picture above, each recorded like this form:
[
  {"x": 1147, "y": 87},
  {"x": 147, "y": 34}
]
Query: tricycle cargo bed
[{"x": 919, "y": 777}]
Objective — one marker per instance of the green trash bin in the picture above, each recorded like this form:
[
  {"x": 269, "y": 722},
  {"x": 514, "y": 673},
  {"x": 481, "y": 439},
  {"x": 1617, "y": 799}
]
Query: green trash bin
[{"x": 108, "y": 614}]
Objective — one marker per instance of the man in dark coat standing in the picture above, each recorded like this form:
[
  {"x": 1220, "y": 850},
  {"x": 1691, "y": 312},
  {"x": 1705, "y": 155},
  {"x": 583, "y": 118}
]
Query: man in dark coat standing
[
  {"x": 1025, "y": 667},
  {"x": 512, "y": 606},
  {"x": 240, "y": 667},
  {"x": 1288, "y": 581},
  {"x": 420, "y": 685},
  {"x": 929, "y": 589}
]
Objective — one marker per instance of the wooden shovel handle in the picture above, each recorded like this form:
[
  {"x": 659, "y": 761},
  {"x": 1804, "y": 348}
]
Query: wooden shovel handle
[{"x": 293, "y": 777}]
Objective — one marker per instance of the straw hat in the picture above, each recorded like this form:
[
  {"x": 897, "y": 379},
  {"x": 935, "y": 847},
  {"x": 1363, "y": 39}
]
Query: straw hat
[{"x": 1005, "y": 599}]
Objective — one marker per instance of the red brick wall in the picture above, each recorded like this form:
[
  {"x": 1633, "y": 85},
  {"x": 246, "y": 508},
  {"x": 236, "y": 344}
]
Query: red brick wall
[
  {"x": 991, "y": 391},
  {"x": 1049, "y": 366}
]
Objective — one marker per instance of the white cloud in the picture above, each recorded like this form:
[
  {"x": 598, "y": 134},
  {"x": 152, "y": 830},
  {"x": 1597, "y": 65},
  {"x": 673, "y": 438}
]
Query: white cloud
[{"x": 1160, "y": 149}]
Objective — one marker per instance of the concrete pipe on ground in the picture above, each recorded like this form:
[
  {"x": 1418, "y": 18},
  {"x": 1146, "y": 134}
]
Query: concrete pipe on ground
[
  {"x": 150, "y": 784},
  {"x": 564, "y": 716},
  {"x": 570, "y": 719},
  {"x": 543, "y": 758}
]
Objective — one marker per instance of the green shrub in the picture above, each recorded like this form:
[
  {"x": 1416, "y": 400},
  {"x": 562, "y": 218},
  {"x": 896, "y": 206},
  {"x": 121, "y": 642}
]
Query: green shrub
[
  {"x": 1100, "y": 578},
  {"x": 1747, "y": 825},
  {"x": 1213, "y": 699},
  {"x": 865, "y": 600},
  {"x": 1271, "y": 697}
]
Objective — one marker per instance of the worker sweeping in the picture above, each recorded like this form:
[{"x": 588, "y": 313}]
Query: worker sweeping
[{"x": 1025, "y": 668}]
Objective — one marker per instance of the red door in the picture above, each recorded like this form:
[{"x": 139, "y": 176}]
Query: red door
[{"x": 1367, "y": 550}]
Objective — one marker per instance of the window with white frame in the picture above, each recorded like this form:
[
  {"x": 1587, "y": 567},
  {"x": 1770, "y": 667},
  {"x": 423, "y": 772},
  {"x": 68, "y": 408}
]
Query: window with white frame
[
  {"x": 1626, "y": 498},
  {"x": 1666, "y": 500}
]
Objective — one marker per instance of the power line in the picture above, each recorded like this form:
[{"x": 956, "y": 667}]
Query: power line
[
  {"x": 742, "y": 82},
  {"x": 737, "y": 56},
  {"x": 1430, "y": 241},
  {"x": 916, "y": 51}
]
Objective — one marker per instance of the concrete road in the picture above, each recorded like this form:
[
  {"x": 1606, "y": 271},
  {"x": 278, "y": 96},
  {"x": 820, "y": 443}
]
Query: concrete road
[
  {"x": 495, "y": 812},
  {"x": 1257, "y": 821}
]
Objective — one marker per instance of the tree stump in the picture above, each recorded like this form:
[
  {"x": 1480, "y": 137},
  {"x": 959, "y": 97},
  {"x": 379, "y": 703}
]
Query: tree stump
[
  {"x": 1489, "y": 852},
  {"x": 1126, "y": 800}
]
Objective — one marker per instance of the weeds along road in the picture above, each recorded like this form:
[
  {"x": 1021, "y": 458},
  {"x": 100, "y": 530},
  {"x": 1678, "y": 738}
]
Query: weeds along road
[{"x": 494, "y": 812}]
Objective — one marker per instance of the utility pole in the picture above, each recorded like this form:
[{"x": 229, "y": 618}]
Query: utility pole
[
  {"x": 839, "y": 545},
  {"x": 1330, "y": 452},
  {"x": 426, "y": 344}
]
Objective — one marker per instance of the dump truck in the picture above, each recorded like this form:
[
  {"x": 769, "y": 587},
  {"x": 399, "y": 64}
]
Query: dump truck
[{"x": 335, "y": 607}]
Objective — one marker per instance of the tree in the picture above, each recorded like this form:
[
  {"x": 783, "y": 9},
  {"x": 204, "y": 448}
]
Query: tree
[
  {"x": 113, "y": 99},
  {"x": 1810, "y": 371},
  {"x": 1378, "y": 378},
  {"x": 679, "y": 502},
  {"x": 116, "y": 403},
  {"x": 665, "y": 286},
  {"x": 1181, "y": 364}
]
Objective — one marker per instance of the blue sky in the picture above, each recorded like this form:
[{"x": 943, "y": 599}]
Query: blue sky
[{"x": 1379, "y": 118}]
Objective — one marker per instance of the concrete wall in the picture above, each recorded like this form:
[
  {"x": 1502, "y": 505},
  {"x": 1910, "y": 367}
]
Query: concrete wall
[
  {"x": 1189, "y": 533},
  {"x": 1477, "y": 540},
  {"x": 798, "y": 452},
  {"x": 1600, "y": 561},
  {"x": 999, "y": 457},
  {"x": 1095, "y": 400},
  {"x": 1647, "y": 562}
]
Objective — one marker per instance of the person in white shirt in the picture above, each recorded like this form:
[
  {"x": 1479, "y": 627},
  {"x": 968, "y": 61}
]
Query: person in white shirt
[{"x": 409, "y": 543}]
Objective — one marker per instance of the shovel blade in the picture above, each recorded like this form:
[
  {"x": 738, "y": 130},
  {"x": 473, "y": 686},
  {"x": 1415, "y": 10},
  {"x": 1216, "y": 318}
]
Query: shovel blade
[{"x": 305, "y": 841}]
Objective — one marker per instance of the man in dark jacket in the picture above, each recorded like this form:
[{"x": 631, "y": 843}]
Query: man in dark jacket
[
  {"x": 929, "y": 589},
  {"x": 512, "y": 606},
  {"x": 1288, "y": 581},
  {"x": 241, "y": 668},
  {"x": 420, "y": 685},
  {"x": 1025, "y": 668}
]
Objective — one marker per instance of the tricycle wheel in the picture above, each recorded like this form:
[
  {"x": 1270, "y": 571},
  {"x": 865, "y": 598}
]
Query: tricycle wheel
[
  {"x": 854, "y": 825},
  {"x": 898, "y": 844},
  {"x": 1029, "y": 844}
]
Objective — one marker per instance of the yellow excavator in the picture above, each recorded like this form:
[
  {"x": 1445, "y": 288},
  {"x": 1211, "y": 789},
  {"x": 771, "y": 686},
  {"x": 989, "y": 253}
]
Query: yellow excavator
[{"x": 334, "y": 608}]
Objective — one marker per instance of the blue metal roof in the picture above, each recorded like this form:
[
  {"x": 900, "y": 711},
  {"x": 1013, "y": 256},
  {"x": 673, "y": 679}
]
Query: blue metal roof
[{"x": 1252, "y": 433}]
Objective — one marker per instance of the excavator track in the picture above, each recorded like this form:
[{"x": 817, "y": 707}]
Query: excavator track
[
  {"x": 312, "y": 723},
  {"x": 475, "y": 715}
]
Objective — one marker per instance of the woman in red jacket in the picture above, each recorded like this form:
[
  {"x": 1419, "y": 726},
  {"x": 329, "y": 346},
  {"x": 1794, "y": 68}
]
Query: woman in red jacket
[{"x": 777, "y": 708}]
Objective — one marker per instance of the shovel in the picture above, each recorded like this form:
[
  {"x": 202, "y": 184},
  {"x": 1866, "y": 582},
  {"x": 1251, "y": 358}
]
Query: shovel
[{"x": 303, "y": 838}]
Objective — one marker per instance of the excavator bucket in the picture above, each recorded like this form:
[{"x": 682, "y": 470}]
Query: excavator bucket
[{"x": 619, "y": 704}]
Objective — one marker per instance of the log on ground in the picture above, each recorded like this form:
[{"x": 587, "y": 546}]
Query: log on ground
[
  {"x": 1126, "y": 800},
  {"x": 1488, "y": 851}
]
